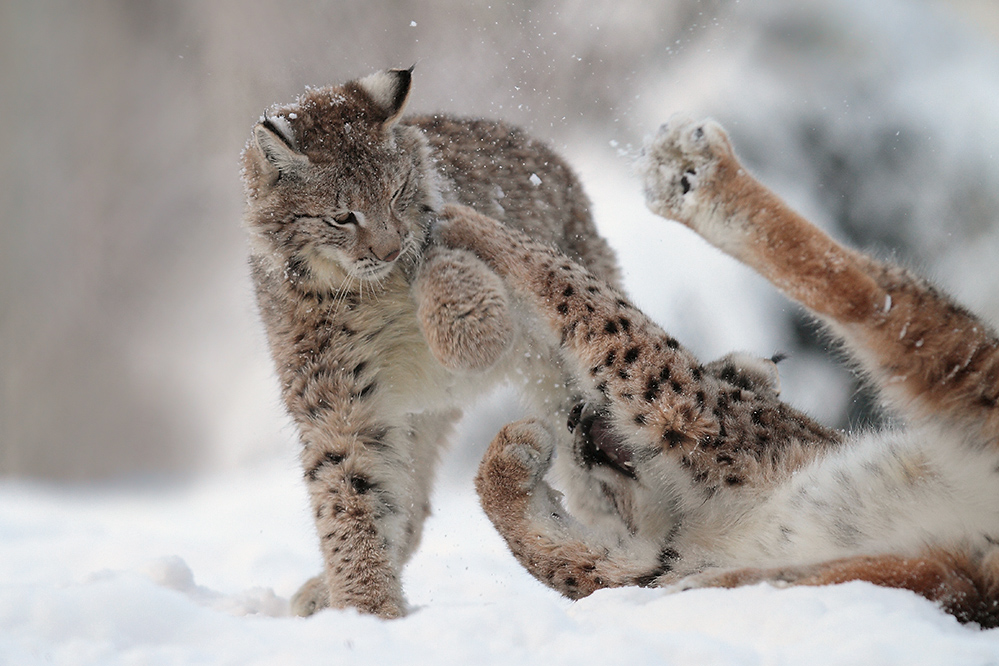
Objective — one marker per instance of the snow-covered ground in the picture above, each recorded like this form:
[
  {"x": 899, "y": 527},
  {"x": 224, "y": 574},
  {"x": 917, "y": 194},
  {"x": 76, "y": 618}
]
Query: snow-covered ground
[{"x": 201, "y": 574}]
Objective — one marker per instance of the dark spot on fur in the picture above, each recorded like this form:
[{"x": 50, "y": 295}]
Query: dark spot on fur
[
  {"x": 625, "y": 324},
  {"x": 360, "y": 484},
  {"x": 569, "y": 291},
  {"x": 668, "y": 555},
  {"x": 329, "y": 459},
  {"x": 700, "y": 398},
  {"x": 651, "y": 389},
  {"x": 593, "y": 289},
  {"x": 602, "y": 387},
  {"x": 610, "y": 358},
  {"x": 623, "y": 374},
  {"x": 698, "y": 372},
  {"x": 673, "y": 438},
  {"x": 570, "y": 582},
  {"x": 359, "y": 368},
  {"x": 700, "y": 477},
  {"x": 641, "y": 419},
  {"x": 724, "y": 459},
  {"x": 676, "y": 386},
  {"x": 731, "y": 374},
  {"x": 684, "y": 183},
  {"x": 563, "y": 308},
  {"x": 733, "y": 480},
  {"x": 672, "y": 343},
  {"x": 610, "y": 328},
  {"x": 757, "y": 416},
  {"x": 632, "y": 354}
]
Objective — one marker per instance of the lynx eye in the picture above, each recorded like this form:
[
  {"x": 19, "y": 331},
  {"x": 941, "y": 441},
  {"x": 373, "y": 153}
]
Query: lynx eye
[{"x": 341, "y": 220}]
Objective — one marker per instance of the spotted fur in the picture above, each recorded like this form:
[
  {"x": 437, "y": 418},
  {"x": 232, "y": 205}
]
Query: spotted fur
[
  {"x": 379, "y": 338},
  {"x": 706, "y": 477}
]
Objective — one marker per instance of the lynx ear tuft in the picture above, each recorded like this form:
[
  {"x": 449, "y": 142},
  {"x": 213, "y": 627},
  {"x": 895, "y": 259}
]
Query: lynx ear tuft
[
  {"x": 276, "y": 154},
  {"x": 388, "y": 90}
]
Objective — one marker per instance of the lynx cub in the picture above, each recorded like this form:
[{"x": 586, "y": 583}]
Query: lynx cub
[
  {"x": 378, "y": 338},
  {"x": 712, "y": 481}
]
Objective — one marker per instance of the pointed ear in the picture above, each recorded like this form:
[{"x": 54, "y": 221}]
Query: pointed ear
[
  {"x": 274, "y": 150},
  {"x": 389, "y": 90}
]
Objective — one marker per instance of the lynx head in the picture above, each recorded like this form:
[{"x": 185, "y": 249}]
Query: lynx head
[{"x": 338, "y": 191}]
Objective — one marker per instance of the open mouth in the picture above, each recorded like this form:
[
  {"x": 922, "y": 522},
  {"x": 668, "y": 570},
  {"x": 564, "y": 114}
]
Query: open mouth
[{"x": 596, "y": 442}]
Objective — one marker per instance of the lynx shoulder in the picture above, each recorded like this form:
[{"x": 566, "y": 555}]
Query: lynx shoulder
[{"x": 378, "y": 337}]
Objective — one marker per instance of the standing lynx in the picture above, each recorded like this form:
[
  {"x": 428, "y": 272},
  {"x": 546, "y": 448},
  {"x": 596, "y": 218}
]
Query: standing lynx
[
  {"x": 379, "y": 338},
  {"x": 713, "y": 481}
]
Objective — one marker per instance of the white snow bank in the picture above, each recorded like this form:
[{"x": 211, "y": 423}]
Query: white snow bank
[{"x": 201, "y": 574}]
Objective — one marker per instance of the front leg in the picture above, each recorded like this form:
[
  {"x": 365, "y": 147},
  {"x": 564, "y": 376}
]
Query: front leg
[
  {"x": 366, "y": 546},
  {"x": 362, "y": 481},
  {"x": 548, "y": 542},
  {"x": 719, "y": 430}
]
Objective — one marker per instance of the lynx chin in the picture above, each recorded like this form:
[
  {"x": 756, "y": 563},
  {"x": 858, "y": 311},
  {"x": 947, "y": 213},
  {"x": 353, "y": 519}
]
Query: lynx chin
[
  {"x": 697, "y": 475},
  {"x": 378, "y": 336}
]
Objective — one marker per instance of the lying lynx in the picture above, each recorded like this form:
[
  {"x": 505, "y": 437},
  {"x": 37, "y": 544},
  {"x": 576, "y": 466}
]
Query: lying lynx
[
  {"x": 377, "y": 337},
  {"x": 701, "y": 476}
]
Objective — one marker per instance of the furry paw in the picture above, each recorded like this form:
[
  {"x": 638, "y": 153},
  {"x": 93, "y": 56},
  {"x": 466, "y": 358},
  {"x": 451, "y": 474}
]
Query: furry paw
[
  {"x": 678, "y": 166},
  {"x": 312, "y": 597},
  {"x": 516, "y": 461},
  {"x": 463, "y": 310}
]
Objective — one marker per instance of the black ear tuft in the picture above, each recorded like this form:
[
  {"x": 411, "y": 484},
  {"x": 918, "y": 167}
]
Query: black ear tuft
[{"x": 388, "y": 90}]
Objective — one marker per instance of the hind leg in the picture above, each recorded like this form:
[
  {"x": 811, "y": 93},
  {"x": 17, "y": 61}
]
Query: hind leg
[
  {"x": 932, "y": 358},
  {"x": 556, "y": 549},
  {"x": 964, "y": 584}
]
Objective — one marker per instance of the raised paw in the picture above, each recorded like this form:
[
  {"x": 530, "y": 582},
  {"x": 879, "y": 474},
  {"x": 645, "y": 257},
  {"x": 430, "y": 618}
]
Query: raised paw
[
  {"x": 680, "y": 166},
  {"x": 463, "y": 311},
  {"x": 517, "y": 459}
]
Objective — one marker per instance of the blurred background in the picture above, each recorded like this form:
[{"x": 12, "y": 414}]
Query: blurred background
[{"x": 129, "y": 343}]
